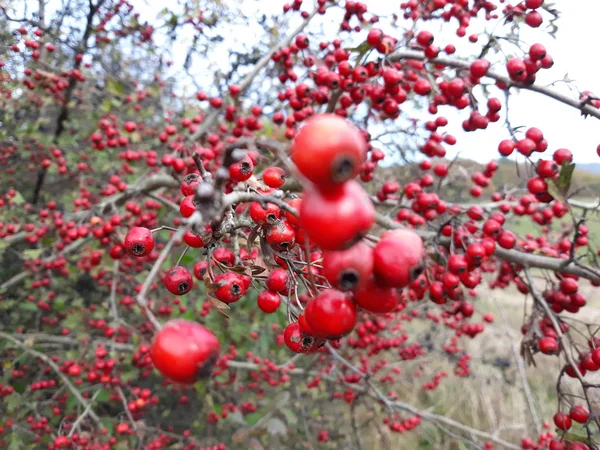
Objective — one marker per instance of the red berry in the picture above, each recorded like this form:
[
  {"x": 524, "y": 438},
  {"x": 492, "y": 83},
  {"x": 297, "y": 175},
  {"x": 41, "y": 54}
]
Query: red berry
[
  {"x": 479, "y": 68},
  {"x": 268, "y": 301},
  {"x": 328, "y": 150},
  {"x": 562, "y": 155},
  {"x": 579, "y": 414},
  {"x": 346, "y": 269},
  {"x": 398, "y": 258},
  {"x": 178, "y": 281},
  {"x": 562, "y": 421},
  {"x": 425, "y": 38},
  {"x": 184, "y": 351},
  {"x": 263, "y": 215},
  {"x": 278, "y": 281},
  {"x": 281, "y": 236},
  {"x": 375, "y": 298},
  {"x": 241, "y": 170},
  {"x": 139, "y": 241},
  {"x": 295, "y": 340},
  {"x": 230, "y": 287},
  {"x": 331, "y": 314},
  {"x": 548, "y": 345},
  {"x": 274, "y": 177},
  {"x": 337, "y": 219}
]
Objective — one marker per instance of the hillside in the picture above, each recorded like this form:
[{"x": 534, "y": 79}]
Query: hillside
[{"x": 586, "y": 179}]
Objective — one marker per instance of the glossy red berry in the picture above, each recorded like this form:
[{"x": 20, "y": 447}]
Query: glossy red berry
[
  {"x": 562, "y": 155},
  {"x": 562, "y": 421},
  {"x": 337, "y": 219},
  {"x": 375, "y": 298},
  {"x": 507, "y": 239},
  {"x": 241, "y": 170},
  {"x": 579, "y": 414},
  {"x": 198, "y": 239},
  {"x": 178, "y": 281},
  {"x": 268, "y": 301},
  {"x": 184, "y": 351},
  {"x": 295, "y": 339},
  {"x": 262, "y": 215},
  {"x": 278, "y": 281},
  {"x": 548, "y": 345},
  {"x": 187, "y": 206},
  {"x": 230, "y": 287},
  {"x": 479, "y": 68},
  {"x": 331, "y": 314},
  {"x": 346, "y": 269},
  {"x": 328, "y": 150},
  {"x": 398, "y": 258},
  {"x": 274, "y": 177},
  {"x": 281, "y": 236},
  {"x": 139, "y": 241}
]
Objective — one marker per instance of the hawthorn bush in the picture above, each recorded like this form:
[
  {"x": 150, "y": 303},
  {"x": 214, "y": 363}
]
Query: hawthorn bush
[{"x": 227, "y": 268}]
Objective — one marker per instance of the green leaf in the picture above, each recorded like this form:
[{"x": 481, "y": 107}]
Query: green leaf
[
  {"x": 564, "y": 178},
  {"x": 252, "y": 418},
  {"x": 290, "y": 416},
  {"x": 18, "y": 199},
  {"x": 71, "y": 402},
  {"x": 28, "y": 306},
  {"x": 115, "y": 87},
  {"x": 103, "y": 397},
  {"x": 187, "y": 259},
  {"x": 15, "y": 442},
  {"x": 32, "y": 253},
  {"x": 60, "y": 304}
]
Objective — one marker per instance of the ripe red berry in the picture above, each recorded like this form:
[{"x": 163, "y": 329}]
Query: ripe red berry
[
  {"x": 376, "y": 298},
  {"x": 130, "y": 127},
  {"x": 197, "y": 239},
  {"x": 337, "y": 219},
  {"x": 230, "y": 287},
  {"x": 187, "y": 206},
  {"x": 268, "y": 301},
  {"x": 548, "y": 345},
  {"x": 562, "y": 155},
  {"x": 296, "y": 340},
  {"x": 562, "y": 421},
  {"x": 178, "y": 281},
  {"x": 278, "y": 281},
  {"x": 398, "y": 258},
  {"x": 507, "y": 239},
  {"x": 184, "y": 351},
  {"x": 241, "y": 170},
  {"x": 346, "y": 269},
  {"x": 262, "y": 215},
  {"x": 506, "y": 147},
  {"x": 516, "y": 69},
  {"x": 579, "y": 414},
  {"x": 328, "y": 150},
  {"x": 425, "y": 38},
  {"x": 331, "y": 314},
  {"x": 281, "y": 236},
  {"x": 546, "y": 168},
  {"x": 274, "y": 177},
  {"x": 479, "y": 68},
  {"x": 537, "y": 52},
  {"x": 139, "y": 241}
]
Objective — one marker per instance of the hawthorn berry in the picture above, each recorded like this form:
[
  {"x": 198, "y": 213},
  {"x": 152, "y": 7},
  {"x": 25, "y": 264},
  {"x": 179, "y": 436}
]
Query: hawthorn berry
[
  {"x": 184, "y": 351},
  {"x": 328, "y": 150},
  {"x": 139, "y": 242},
  {"x": 398, "y": 258},
  {"x": 331, "y": 314}
]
